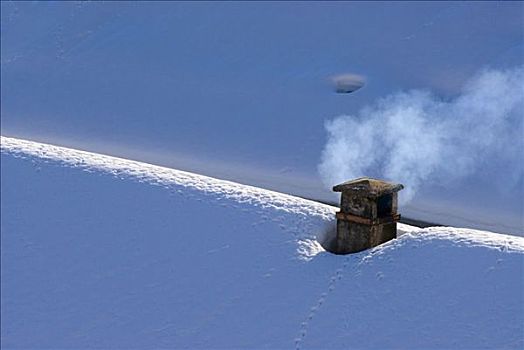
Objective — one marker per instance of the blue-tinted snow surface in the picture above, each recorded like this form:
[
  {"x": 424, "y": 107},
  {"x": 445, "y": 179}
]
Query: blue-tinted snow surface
[
  {"x": 100, "y": 252},
  {"x": 240, "y": 90}
]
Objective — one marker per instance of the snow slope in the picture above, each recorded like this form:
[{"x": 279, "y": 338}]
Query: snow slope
[
  {"x": 183, "y": 84},
  {"x": 131, "y": 255}
]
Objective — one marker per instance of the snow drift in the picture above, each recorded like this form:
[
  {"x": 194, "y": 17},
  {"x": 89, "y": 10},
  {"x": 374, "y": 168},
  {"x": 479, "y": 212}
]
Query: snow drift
[{"x": 100, "y": 258}]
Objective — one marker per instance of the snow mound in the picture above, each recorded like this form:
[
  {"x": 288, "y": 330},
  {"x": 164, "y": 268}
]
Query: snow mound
[{"x": 92, "y": 259}]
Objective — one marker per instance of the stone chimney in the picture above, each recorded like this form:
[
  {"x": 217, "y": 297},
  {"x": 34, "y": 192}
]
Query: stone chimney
[{"x": 368, "y": 214}]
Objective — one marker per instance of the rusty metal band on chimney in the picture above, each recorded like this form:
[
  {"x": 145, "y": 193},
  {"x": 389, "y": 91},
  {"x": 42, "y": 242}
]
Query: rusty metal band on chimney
[{"x": 366, "y": 221}]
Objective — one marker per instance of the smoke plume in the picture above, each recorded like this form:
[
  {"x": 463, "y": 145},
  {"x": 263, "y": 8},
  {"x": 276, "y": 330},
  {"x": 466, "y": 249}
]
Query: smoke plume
[{"x": 419, "y": 139}]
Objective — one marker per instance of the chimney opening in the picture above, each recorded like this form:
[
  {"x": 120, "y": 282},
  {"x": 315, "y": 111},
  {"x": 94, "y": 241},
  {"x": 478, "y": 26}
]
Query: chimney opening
[{"x": 385, "y": 205}]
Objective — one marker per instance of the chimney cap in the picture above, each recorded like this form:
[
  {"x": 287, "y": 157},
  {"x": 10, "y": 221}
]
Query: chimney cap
[{"x": 368, "y": 187}]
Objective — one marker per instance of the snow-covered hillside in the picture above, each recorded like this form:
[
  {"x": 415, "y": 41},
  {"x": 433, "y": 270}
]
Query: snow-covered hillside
[{"x": 102, "y": 252}]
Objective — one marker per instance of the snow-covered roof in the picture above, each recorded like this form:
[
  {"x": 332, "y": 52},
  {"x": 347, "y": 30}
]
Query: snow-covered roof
[
  {"x": 368, "y": 187},
  {"x": 114, "y": 253}
]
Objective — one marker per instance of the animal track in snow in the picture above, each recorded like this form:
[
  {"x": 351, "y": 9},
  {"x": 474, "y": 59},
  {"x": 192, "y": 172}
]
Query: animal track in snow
[{"x": 337, "y": 276}]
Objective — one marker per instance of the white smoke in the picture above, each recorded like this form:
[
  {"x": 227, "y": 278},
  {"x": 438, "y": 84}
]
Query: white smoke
[{"x": 419, "y": 139}]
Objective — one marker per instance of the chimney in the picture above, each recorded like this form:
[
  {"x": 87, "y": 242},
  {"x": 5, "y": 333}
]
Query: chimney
[{"x": 368, "y": 214}]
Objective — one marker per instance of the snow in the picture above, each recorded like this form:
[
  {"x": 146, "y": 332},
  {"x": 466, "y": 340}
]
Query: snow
[
  {"x": 104, "y": 252},
  {"x": 241, "y": 90}
]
